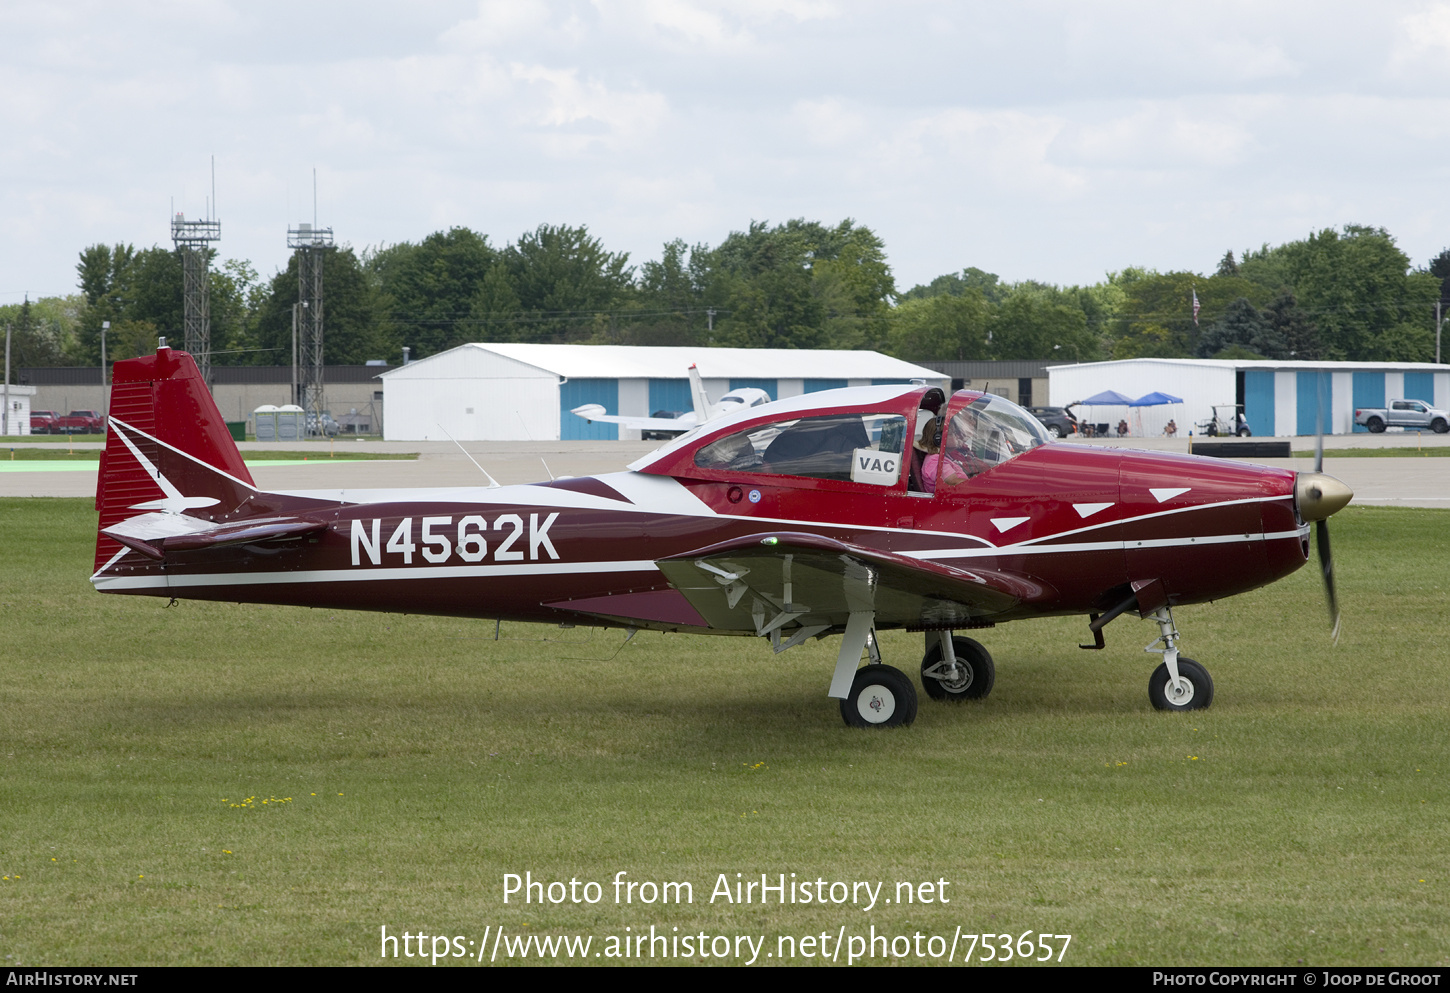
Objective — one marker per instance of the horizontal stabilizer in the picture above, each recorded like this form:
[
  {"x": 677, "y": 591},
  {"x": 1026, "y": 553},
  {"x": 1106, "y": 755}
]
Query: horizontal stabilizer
[{"x": 153, "y": 535}]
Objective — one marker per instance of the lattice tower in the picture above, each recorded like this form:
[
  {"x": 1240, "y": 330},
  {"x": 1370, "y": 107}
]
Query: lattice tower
[
  {"x": 191, "y": 239},
  {"x": 311, "y": 244}
]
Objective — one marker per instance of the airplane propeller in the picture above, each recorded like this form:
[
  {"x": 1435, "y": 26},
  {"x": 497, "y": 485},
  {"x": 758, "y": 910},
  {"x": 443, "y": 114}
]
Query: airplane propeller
[{"x": 1318, "y": 496}]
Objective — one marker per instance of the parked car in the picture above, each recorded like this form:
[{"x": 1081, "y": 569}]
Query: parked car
[
  {"x": 330, "y": 427},
  {"x": 79, "y": 422},
  {"x": 1057, "y": 420},
  {"x": 1403, "y": 414},
  {"x": 43, "y": 421}
]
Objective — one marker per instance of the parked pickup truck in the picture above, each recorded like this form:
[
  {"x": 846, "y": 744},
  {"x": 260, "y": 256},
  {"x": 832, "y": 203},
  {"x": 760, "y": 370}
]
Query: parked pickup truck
[
  {"x": 1403, "y": 414},
  {"x": 79, "y": 422},
  {"x": 43, "y": 421}
]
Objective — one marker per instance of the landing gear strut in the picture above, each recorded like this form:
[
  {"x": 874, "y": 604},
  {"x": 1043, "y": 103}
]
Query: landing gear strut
[
  {"x": 874, "y": 695},
  {"x": 956, "y": 668},
  {"x": 1179, "y": 683}
]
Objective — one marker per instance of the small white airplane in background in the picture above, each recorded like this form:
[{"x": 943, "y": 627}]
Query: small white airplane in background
[{"x": 746, "y": 396}]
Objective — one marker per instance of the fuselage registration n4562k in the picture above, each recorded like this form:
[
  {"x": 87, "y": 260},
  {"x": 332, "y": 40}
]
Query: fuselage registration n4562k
[{"x": 842, "y": 512}]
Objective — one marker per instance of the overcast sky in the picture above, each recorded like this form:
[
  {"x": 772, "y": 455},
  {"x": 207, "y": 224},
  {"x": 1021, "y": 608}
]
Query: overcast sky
[{"x": 1052, "y": 141}]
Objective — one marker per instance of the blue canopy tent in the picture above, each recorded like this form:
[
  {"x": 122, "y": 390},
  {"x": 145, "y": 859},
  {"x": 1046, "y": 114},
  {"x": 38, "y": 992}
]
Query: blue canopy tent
[
  {"x": 1154, "y": 399},
  {"x": 1107, "y": 398}
]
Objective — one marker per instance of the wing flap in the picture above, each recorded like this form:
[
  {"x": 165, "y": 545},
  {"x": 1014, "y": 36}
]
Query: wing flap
[{"x": 782, "y": 580}]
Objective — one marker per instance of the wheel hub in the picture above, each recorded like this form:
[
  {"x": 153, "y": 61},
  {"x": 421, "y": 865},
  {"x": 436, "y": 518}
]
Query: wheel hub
[
  {"x": 876, "y": 704},
  {"x": 956, "y": 678},
  {"x": 1179, "y": 693}
]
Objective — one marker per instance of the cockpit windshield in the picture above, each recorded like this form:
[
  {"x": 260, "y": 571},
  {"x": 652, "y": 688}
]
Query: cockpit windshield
[{"x": 985, "y": 433}]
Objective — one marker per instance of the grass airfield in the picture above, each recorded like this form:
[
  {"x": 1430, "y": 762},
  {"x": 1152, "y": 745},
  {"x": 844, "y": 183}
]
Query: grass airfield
[{"x": 239, "y": 785}]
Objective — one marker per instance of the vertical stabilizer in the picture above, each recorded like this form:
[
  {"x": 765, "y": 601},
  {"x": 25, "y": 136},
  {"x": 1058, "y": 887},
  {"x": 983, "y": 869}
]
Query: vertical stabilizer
[
  {"x": 165, "y": 437},
  {"x": 698, "y": 396}
]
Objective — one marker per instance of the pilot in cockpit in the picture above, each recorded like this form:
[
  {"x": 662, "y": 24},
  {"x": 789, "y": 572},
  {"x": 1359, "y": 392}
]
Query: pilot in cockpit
[{"x": 925, "y": 453}]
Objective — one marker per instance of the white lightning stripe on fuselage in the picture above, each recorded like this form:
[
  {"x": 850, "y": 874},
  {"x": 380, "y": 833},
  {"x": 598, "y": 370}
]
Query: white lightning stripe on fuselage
[
  {"x": 367, "y": 575},
  {"x": 363, "y": 575},
  {"x": 110, "y": 562},
  {"x": 1100, "y": 546}
]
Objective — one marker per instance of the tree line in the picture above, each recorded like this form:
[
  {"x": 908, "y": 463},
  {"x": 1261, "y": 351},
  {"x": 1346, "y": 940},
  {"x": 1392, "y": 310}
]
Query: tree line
[{"x": 1346, "y": 294}]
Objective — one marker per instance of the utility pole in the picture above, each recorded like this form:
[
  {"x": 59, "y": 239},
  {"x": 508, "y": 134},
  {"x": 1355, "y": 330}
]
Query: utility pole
[
  {"x": 293, "y": 395},
  {"x": 1439, "y": 324},
  {"x": 5, "y": 418},
  {"x": 105, "y": 402}
]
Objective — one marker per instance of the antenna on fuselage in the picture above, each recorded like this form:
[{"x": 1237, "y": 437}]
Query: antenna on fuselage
[
  {"x": 531, "y": 439},
  {"x": 492, "y": 483}
]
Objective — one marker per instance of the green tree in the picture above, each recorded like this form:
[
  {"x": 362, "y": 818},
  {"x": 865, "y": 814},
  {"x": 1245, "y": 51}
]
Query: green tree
[
  {"x": 1030, "y": 324},
  {"x": 567, "y": 283},
  {"x": 669, "y": 302},
  {"x": 1156, "y": 318},
  {"x": 1300, "y": 336},
  {"x": 800, "y": 284},
  {"x": 1242, "y": 332},
  {"x": 428, "y": 289},
  {"x": 956, "y": 284},
  {"x": 945, "y": 327},
  {"x": 1356, "y": 285},
  {"x": 354, "y": 328},
  {"x": 43, "y": 331}
]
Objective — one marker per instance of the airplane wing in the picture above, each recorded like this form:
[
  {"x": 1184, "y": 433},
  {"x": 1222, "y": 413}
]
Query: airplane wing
[
  {"x": 791, "y": 580},
  {"x": 153, "y": 535},
  {"x": 595, "y": 412}
]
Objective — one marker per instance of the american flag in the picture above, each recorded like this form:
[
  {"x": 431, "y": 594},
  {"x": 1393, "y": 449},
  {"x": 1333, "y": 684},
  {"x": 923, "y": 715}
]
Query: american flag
[{"x": 1195, "y": 306}]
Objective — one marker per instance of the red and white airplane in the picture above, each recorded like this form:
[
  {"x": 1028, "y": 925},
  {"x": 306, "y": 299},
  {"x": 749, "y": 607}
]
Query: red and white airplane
[{"x": 798, "y": 519}]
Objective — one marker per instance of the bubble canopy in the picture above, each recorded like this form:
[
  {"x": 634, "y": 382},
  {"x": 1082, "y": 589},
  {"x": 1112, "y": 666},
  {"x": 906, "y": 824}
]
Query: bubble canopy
[{"x": 860, "y": 435}]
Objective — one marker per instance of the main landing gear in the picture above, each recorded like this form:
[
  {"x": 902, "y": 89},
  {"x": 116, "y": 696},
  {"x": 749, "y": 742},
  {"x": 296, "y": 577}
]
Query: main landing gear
[{"x": 879, "y": 696}]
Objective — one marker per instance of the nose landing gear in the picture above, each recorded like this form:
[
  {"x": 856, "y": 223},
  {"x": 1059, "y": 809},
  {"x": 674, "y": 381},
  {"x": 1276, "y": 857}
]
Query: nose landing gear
[{"x": 1179, "y": 683}]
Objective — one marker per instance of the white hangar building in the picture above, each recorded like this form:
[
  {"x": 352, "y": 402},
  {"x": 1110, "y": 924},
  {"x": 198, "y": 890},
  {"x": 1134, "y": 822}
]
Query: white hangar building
[
  {"x": 1280, "y": 399},
  {"x": 523, "y": 392}
]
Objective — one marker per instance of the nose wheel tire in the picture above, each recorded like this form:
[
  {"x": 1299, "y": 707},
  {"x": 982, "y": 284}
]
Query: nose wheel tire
[
  {"x": 972, "y": 679},
  {"x": 1194, "y": 692},
  {"x": 881, "y": 697}
]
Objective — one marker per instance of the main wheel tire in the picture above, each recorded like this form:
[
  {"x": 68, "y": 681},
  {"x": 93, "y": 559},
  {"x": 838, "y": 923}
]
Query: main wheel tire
[
  {"x": 973, "y": 684},
  {"x": 881, "y": 697},
  {"x": 1199, "y": 692},
  {"x": 1439, "y": 426},
  {"x": 1375, "y": 425}
]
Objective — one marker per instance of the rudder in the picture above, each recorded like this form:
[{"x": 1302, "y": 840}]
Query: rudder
[{"x": 164, "y": 397}]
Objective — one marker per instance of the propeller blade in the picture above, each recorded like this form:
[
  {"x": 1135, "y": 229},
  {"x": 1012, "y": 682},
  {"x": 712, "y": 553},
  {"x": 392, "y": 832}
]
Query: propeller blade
[{"x": 1326, "y": 566}]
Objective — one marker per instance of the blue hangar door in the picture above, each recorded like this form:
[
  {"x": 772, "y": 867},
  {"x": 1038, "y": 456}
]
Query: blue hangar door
[{"x": 581, "y": 391}]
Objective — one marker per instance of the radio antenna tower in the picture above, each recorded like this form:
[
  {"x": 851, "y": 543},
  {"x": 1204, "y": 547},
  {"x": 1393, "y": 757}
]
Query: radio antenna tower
[
  {"x": 191, "y": 239},
  {"x": 311, "y": 244}
]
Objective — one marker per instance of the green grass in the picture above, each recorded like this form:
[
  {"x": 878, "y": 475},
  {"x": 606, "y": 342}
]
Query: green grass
[
  {"x": 1438, "y": 451},
  {"x": 1301, "y": 818},
  {"x": 94, "y": 455}
]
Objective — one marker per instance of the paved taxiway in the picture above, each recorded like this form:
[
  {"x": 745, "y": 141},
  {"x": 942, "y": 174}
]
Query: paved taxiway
[{"x": 1408, "y": 481}]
